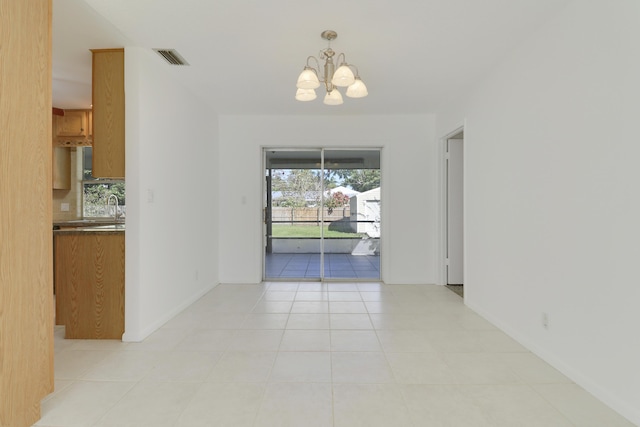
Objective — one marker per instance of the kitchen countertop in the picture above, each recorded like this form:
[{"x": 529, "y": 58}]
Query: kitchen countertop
[
  {"x": 88, "y": 227},
  {"x": 107, "y": 229},
  {"x": 87, "y": 222}
]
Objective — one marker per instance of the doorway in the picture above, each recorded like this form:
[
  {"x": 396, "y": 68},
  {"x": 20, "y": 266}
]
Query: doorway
[
  {"x": 321, "y": 214},
  {"x": 454, "y": 216}
]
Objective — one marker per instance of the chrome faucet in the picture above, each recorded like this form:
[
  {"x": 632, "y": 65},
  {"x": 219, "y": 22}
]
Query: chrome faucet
[{"x": 115, "y": 215}]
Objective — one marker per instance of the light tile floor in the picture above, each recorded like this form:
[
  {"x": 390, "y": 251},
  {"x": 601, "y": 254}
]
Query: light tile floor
[{"x": 317, "y": 354}]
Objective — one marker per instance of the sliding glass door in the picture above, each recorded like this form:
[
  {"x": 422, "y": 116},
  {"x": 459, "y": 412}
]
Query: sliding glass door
[
  {"x": 293, "y": 225},
  {"x": 352, "y": 214},
  {"x": 322, "y": 214}
]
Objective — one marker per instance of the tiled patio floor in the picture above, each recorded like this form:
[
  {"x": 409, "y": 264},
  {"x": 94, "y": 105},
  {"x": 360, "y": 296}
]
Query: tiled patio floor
[{"x": 336, "y": 266}]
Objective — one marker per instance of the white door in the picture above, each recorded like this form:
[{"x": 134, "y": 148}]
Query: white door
[{"x": 455, "y": 212}]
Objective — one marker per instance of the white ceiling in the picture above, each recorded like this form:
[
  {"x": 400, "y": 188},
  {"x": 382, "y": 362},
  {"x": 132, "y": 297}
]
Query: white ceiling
[{"x": 245, "y": 55}]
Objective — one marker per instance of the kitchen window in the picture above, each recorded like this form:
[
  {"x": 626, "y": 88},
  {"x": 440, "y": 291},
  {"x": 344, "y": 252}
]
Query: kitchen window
[{"x": 96, "y": 192}]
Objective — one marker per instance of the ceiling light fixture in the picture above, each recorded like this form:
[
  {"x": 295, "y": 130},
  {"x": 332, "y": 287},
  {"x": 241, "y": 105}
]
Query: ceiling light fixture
[{"x": 344, "y": 76}]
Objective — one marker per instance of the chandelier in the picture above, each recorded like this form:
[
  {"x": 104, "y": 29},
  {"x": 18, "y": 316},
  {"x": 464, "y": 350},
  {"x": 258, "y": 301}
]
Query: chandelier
[{"x": 310, "y": 78}]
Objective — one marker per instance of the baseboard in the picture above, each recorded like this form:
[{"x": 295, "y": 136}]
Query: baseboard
[
  {"x": 129, "y": 337},
  {"x": 628, "y": 411}
]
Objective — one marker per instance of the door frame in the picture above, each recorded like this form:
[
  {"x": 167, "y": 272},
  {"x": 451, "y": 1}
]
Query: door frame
[{"x": 442, "y": 199}]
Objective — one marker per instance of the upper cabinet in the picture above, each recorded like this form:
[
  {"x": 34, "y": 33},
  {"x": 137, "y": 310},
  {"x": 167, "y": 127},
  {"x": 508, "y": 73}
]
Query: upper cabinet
[
  {"x": 61, "y": 160},
  {"x": 61, "y": 168},
  {"x": 108, "y": 113},
  {"x": 73, "y": 128},
  {"x": 73, "y": 123}
]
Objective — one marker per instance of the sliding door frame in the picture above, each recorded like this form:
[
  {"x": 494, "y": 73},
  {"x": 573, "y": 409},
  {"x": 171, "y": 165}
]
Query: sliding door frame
[{"x": 266, "y": 209}]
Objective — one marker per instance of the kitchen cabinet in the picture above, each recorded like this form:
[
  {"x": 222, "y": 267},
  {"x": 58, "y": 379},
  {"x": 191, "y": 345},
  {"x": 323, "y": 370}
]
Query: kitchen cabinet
[
  {"x": 74, "y": 128},
  {"x": 26, "y": 297},
  {"x": 61, "y": 162},
  {"x": 89, "y": 278},
  {"x": 61, "y": 178},
  {"x": 73, "y": 123},
  {"x": 90, "y": 124},
  {"x": 108, "y": 113}
]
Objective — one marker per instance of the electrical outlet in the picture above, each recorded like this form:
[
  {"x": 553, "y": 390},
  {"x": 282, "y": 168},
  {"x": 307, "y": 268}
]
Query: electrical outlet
[
  {"x": 545, "y": 320},
  {"x": 64, "y": 207}
]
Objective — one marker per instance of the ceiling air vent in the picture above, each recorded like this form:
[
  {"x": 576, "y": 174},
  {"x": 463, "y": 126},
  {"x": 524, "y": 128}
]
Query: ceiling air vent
[{"x": 171, "y": 56}]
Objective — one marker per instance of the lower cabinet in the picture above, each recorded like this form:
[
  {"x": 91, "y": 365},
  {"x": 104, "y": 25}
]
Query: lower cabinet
[{"x": 89, "y": 278}]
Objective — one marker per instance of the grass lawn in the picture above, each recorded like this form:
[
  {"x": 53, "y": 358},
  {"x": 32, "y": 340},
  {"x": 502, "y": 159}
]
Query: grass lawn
[{"x": 309, "y": 231}]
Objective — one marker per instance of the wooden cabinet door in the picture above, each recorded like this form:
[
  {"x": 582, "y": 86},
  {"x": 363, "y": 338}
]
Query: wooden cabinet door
[
  {"x": 26, "y": 278},
  {"x": 73, "y": 123},
  {"x": 90, "y": 124},
  {"x": 108, "y": 113},
  {"x": 89, "y": 278},
  {"x": 61, "y": 168}
]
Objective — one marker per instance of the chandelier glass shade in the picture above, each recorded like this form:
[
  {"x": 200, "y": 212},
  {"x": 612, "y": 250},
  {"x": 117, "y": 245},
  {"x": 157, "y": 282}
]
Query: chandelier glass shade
[
  {"x": 311, "y": 77},
  {"x": 305, "y": 94},
  {"x": 333, "y": 98},
  {"x": 308, "y": 79}
]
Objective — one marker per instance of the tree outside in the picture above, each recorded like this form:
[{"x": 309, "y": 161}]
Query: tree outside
[
  {"x": 97, "y": 190},
  {"x": 301, "y": 187},
  {"x": 336, "y": 200},
  {"x": 96, "y": 195},
  {"x": 360, "y": 179}
]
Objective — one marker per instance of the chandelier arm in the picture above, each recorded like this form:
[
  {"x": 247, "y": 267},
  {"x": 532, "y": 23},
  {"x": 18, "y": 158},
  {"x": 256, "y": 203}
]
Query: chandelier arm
[{"x": 316, "y": 70}]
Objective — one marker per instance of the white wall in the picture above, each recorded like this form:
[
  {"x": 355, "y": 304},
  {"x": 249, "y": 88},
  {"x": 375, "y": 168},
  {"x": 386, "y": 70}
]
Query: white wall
[
  {"x": 408, "y": 186},
  {"x": 171, "y": 151},
  {"x": 551, "y": 196}
]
